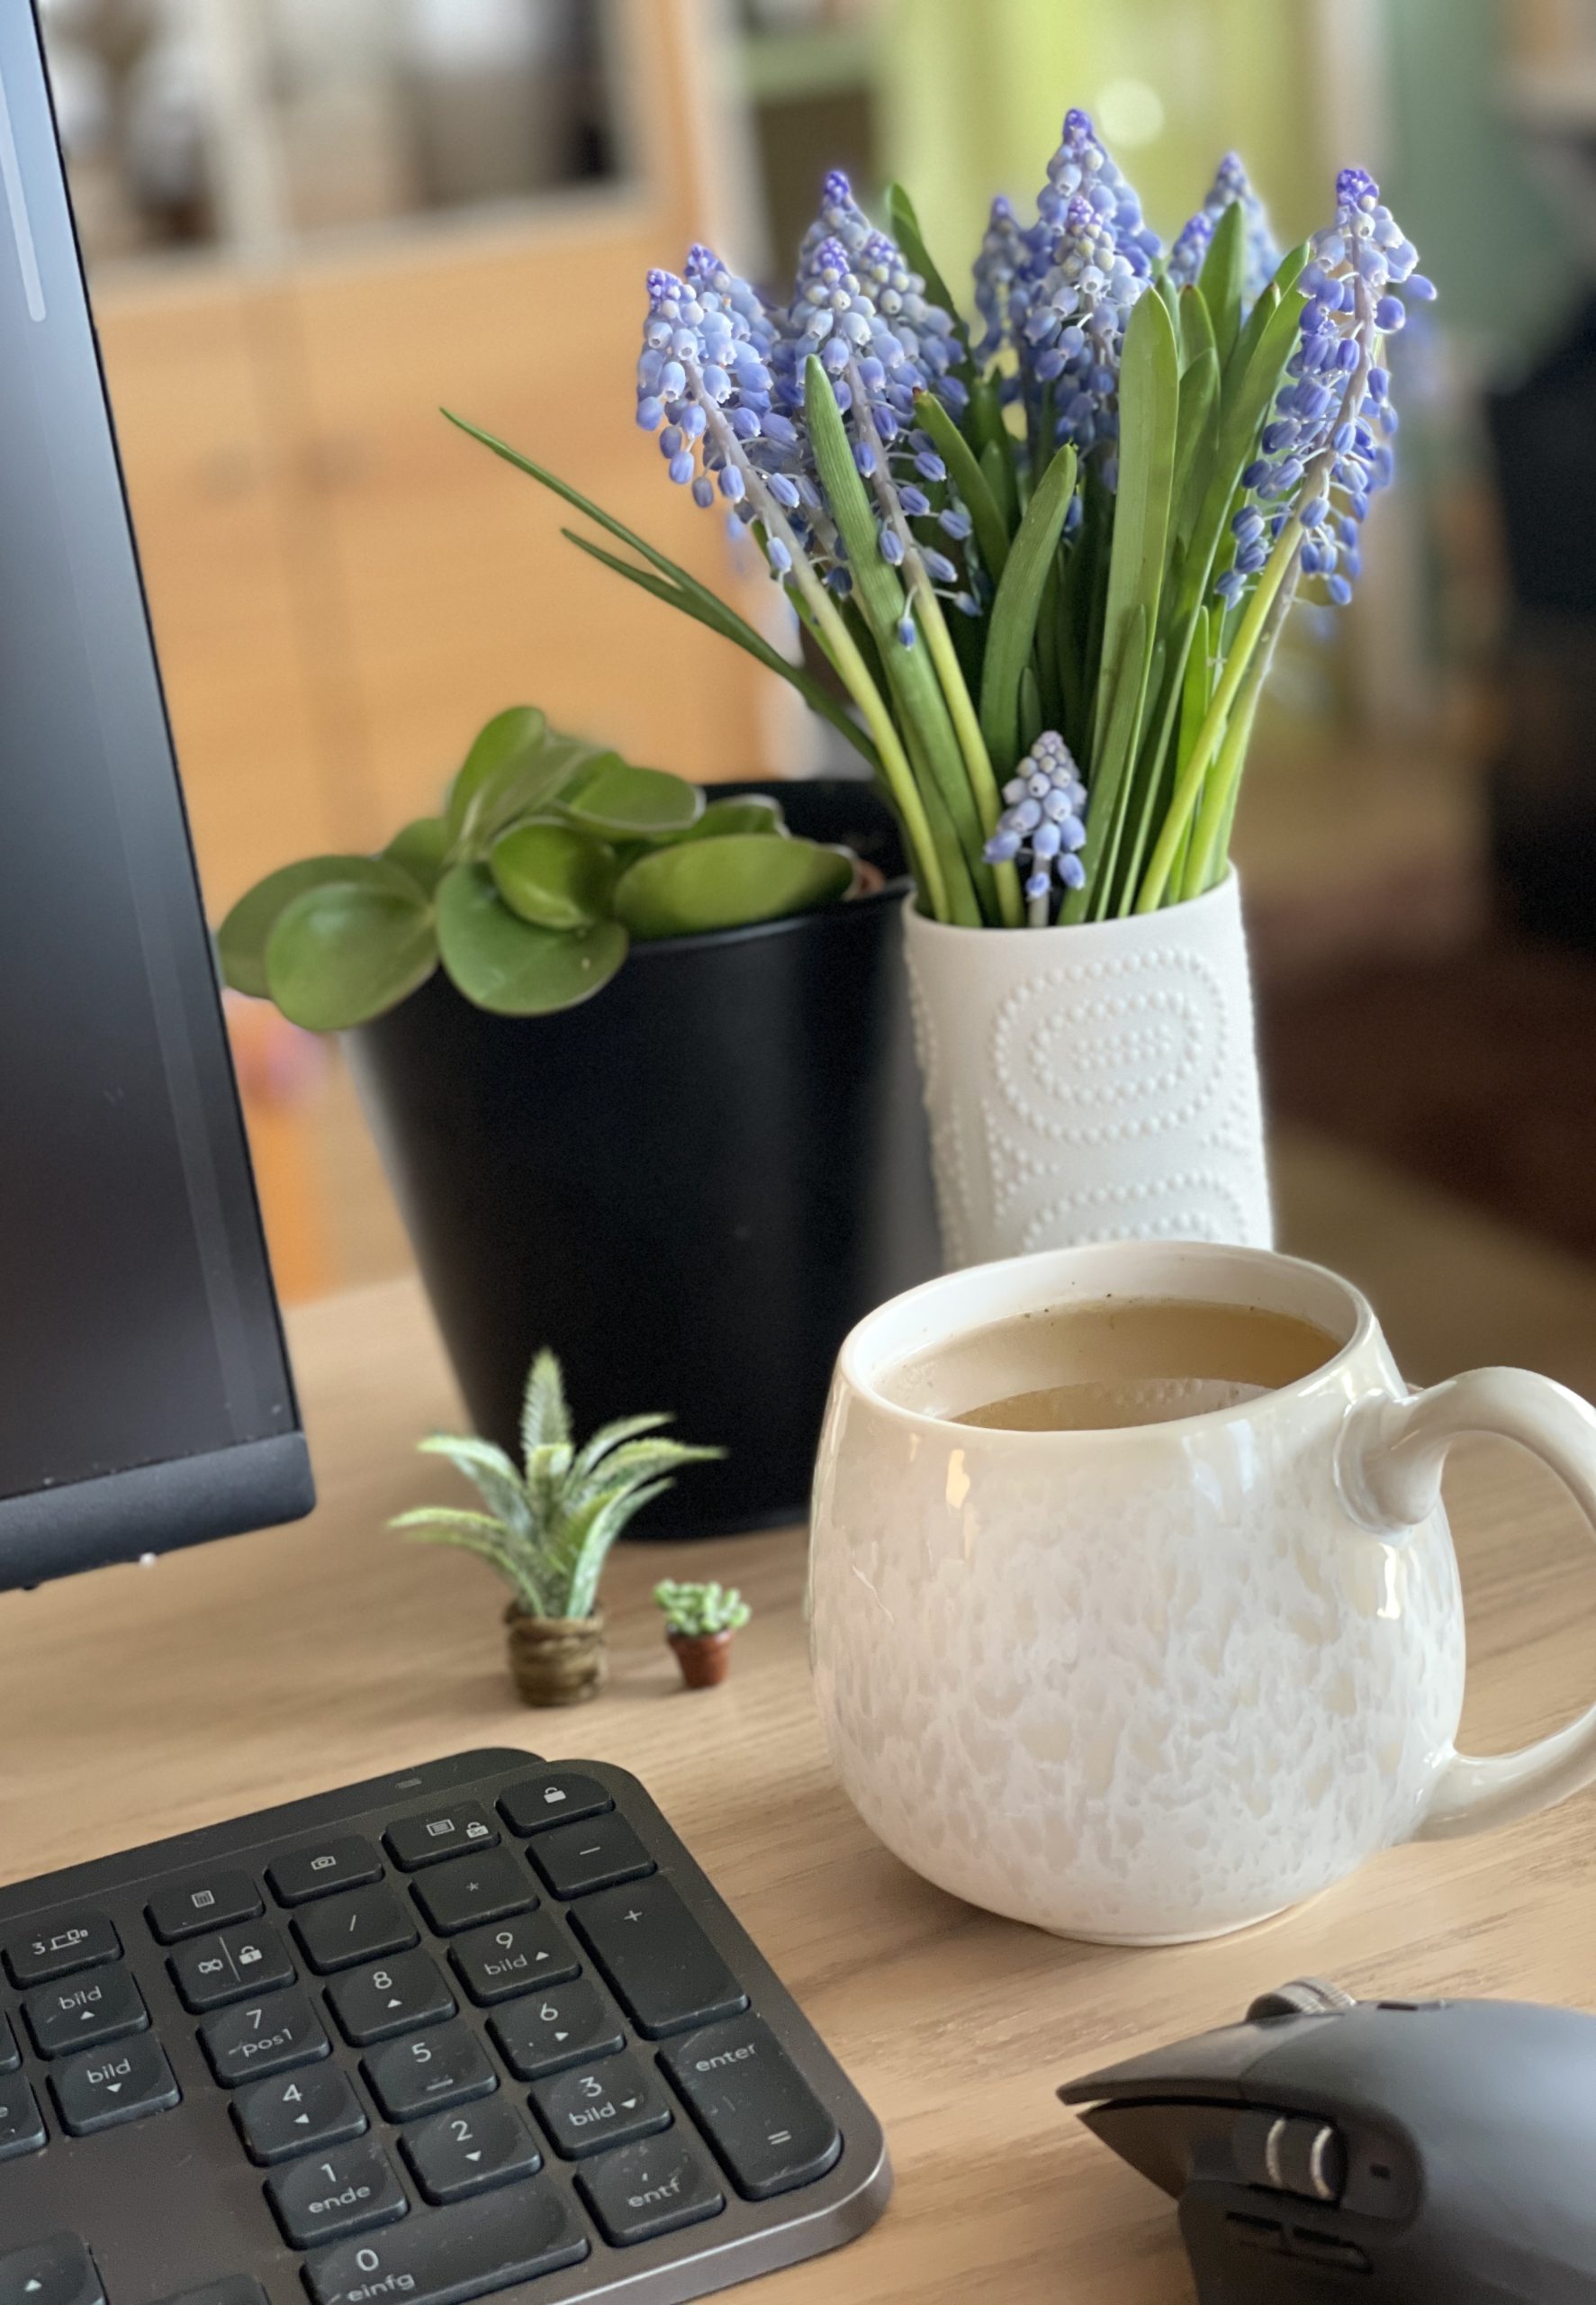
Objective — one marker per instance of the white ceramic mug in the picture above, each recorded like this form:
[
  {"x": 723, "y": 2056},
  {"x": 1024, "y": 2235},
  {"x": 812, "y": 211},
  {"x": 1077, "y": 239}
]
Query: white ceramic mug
[{"x": 1147, "y": 1685}]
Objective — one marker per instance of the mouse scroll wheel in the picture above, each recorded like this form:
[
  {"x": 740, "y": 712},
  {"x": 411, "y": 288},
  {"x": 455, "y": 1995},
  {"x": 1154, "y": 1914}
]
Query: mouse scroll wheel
[{"x": 1302, "y": 1997}]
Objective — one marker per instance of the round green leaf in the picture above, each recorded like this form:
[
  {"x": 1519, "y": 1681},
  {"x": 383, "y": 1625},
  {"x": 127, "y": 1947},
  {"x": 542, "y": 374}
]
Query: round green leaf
[
  {"x": 555, "y": 876},
  {"x": 702, "y": 884},
  {"x": 616, "y": 797},
  {"x": 241, "y": 939},
  {"x": 342, "y": 953},
  {"x": 421, "y": 849},
  {"x": 746, "y": 812},
  {"x": 508, "y": 739},
  {"x": 503, "y": 963}
]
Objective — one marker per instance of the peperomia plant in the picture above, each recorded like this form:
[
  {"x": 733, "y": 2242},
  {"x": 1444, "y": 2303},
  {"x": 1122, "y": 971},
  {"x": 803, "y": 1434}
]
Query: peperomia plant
[
  {"x": 549, "y": 858},
  {"x": 1049, "y": 562}
]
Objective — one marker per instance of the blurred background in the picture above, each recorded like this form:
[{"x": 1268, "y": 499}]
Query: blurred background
[{"x": 311, "y": 222}]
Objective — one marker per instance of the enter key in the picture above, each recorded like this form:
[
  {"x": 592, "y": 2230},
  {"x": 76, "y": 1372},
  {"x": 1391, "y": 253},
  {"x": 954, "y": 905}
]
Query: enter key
[{"x": 754, "y": 2106}]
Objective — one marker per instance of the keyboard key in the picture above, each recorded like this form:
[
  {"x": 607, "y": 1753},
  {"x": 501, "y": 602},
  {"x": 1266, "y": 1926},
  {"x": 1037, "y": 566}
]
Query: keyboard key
[
  {"x": 358, "y": 1926},
  {"x": 415, "y": 1841},
  {"x": 58, "y": 2272},
  {"x": 237, "y": 2288},
  {"x": 347, "y": 2191},
  {"x": 278, "y": 2120},
  {"x": 570, "y": 2025},
  {"x": 11, "y": 2056},
  {"x": 457, "y": 2153},
  {"x": 443, "y": 2259},
  {"x": 470, "y": 1890},
  {"x": 557, "y": 1797},
  {"x": 21, "y": 2125},
  {"x": 206, "y": 1902},
  {"x": 79, "y": 1940},
  {"x": 516, "y": 1956},
  {"x": 577, "y": 1858},
  {"x": 252, "y": 1958},
  {"x": 600, "y": 2105},
  {"x": 659, "y": 1960},
  {"x": 753, "y": 2104},
  {"x": 83, "y": 2014},
  {"x": 444, "y": 2067},
  {"x": 256, "y": 2037},
  {"x": 344, "y": 1861},
  {"x": 102, "y": 2088},
  {"x": 390, "y": 1997},
  {"x": 642, "y": 2191}
]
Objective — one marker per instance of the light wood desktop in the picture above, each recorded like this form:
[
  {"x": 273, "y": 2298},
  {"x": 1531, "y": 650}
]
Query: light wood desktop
[{"x": 141, "y": 1702}]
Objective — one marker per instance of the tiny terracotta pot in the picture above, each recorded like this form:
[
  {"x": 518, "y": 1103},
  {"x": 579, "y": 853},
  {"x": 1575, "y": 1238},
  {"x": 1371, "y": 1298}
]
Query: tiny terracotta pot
[
  {"x": 705, "y": 1657},
  {"x": 557, "y": 1661}
]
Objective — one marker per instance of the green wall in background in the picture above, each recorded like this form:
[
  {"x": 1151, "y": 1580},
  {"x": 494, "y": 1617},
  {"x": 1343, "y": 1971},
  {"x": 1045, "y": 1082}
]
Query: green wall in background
[
  {"x": 972, "y": 94},
  {"x": 1507, "y": 265}
]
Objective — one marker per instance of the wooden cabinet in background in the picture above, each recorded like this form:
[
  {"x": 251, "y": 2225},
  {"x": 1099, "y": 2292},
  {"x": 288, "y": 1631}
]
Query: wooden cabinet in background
[{"x": 343, "y": 585}]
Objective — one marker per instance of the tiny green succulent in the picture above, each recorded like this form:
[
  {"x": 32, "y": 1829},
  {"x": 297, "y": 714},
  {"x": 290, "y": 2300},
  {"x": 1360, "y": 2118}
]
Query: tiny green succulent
[
  {"x": 549, "y": 859},
  {"x": 693, "y": 1609},
  {"x": 551, "y": 1520}
]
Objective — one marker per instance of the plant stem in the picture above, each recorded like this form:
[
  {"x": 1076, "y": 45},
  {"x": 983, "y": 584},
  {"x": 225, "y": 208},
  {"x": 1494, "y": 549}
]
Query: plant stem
[
  {"x": 833, "y": 636},
  {"x": 967, "y": 726},
  {"x": 1218, "y": 805},
  {"x": 1282, "y": 562}
]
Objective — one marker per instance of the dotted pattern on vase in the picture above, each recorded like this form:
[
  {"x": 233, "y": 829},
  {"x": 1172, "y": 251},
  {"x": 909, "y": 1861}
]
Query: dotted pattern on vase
[
  {"x": 1113, "y": 1097},
  {"x": 1160, "y": 1699}
]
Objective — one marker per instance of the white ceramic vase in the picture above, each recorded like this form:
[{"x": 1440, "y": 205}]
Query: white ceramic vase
[{"x": 1091, "y": 1083}]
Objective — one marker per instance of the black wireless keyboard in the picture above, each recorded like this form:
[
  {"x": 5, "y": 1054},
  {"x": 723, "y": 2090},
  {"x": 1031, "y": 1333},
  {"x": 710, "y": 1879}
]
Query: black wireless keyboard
[{"x": 480, "y": 2027}]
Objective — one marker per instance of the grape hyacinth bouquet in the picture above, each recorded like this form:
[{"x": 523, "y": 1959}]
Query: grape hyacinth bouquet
[{"x": 1048, "y": 558}]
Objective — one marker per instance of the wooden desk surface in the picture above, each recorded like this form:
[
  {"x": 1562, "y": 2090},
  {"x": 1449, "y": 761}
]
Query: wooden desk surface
[{"x": 139, "y": 1703}]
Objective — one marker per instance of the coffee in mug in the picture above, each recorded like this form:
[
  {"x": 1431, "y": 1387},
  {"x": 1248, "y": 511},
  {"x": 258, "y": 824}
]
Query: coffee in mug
[{"x": 1133, "y": 1609}]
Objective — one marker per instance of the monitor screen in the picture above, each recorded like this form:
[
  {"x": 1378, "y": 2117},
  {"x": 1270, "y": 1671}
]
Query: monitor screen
[{"x": 145, "y": 1397}]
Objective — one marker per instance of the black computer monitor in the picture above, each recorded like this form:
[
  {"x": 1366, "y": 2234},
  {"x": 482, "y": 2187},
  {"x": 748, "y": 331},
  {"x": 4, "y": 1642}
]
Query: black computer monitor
[{"x": 145, "y": 1395}]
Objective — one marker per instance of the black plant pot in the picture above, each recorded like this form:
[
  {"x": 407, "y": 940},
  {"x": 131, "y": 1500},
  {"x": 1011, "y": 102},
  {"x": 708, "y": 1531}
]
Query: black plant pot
[{"x": 690, "y": 1187}]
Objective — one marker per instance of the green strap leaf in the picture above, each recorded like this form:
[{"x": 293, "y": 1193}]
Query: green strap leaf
[
  {"x": 1223, "y": 276},
  {"x": 1013, "y": 629},
  {"x": 907, "y": 232},
  {"x": 1196, "y": 329},
  {"x": 1109, "y": 766},
  {"x": 1149, "y": 413},
  {"x": 1197, "y": 443},
  {"x": 991, "y": 529},
  {"x": 713, "y": 613},
  {"x": 346, "y": 952},
  {"x": 508, "y": 965}
]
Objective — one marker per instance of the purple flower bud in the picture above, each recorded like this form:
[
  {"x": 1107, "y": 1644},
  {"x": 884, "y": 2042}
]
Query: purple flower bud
[
  {"x": 939, "y": 567},
  {"x": 930, "y": 466},
  {"x": 777, "y": 554},
  {"x": 864, "y": 457},
  {"x": 1390, "y": 314},
  {"x": 1340, "y": 589},
  {"x": 1256, "y": 472},
  {"x": 671, "y": 442},
  {"x": 704, "y": 492},
  {"x": 1418, "y": 285},
  {"x": 915, "y": 502},
  {"x": 892, "y": 547},
  {"x": 1072, "y": 872},
  {"x": 1312, "y": 515},
  {"x": 731, "y": 483},
  {"x": 650, "y": 412},
  {"x": 905, "y": 639},
  {"x": 680, "y": 469},
  {"x": 952, "y": 520}
]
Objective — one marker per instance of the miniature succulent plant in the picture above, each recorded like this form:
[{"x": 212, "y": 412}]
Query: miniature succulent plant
[
  {"x": 693, "y": 1611},
  {"x": 549, "y": 858},
  {"x": 552, "y": 1520}
]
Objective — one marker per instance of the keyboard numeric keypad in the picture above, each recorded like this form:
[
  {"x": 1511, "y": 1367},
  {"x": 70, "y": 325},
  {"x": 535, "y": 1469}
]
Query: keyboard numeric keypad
[
  {"x": 314, "y": 2107},
  {"x": 393, "y": 1996}
]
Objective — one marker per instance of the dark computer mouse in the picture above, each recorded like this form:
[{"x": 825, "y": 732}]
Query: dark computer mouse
[{"x": 1395, "y": 2152}]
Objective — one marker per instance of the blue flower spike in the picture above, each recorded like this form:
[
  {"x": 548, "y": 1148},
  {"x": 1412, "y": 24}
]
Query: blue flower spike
[
  {"x": 1327, "y": 448},
  {"x": 1044, "y": 824}
]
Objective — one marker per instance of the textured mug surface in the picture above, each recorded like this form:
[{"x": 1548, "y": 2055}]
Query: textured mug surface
[
  {"x": 1091, "y": 1083},
  {"x": 1152, "y": 1683}
]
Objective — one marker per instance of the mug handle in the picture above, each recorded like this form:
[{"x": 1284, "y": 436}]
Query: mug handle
[{"x": 1388, "y": 1469}]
